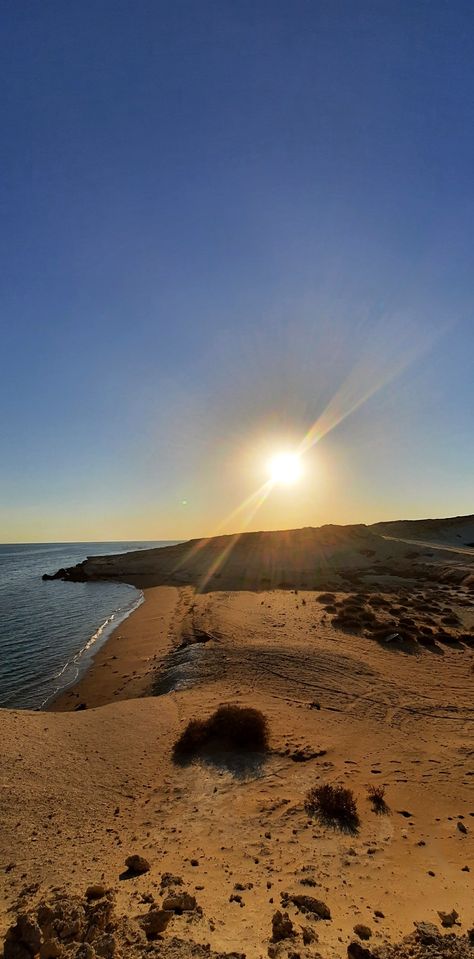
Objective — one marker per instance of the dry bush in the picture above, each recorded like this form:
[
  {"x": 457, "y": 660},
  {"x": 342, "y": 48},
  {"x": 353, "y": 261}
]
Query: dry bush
[
  {"x": 192, "y": 739},
  {"x": 376, "y": 795},
  {"x": 335, "y": 804},
  {"x": 231, "y": 727}
]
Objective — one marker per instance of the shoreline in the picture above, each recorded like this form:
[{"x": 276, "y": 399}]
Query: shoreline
[
  {"x": 84, "y": 658},
  {"x": 125, "y": 665}
]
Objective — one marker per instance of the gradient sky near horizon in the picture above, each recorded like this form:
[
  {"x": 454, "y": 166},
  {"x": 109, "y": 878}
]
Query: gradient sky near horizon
[{"x": 221, "y": 223}]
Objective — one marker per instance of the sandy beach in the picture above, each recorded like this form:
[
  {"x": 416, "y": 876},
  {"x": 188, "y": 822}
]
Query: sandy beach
[
  {"x": 125, "y": 665},
  {"x": 82, "y": 789}
]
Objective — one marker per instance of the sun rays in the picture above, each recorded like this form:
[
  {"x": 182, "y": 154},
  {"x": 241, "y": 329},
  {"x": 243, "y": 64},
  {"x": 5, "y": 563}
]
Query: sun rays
[{"x": 390, "y": 351}]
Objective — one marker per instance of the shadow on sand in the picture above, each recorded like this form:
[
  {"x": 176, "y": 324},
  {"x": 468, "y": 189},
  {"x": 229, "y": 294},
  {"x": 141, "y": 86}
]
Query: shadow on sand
[
  {"x": 348, "y": 825},
  {"x": 380, "y": 807},
  {"x": 241, "y": 764}
]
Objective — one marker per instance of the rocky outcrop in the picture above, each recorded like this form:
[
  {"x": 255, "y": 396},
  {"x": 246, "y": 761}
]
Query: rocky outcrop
[
  {"x": 323, "y": 557},
  {"x": 72, "y": 574},
  {"x": 74, "y": 927}
]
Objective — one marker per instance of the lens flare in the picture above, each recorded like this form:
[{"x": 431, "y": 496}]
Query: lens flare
[{"x": 285, "y": 469}]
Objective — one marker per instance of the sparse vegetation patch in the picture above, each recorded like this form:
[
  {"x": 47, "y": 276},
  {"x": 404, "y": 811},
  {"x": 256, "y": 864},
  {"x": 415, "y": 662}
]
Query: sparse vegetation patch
[
  {"x": 376, "y": 795},
  {"x": 230, "y": 727},
  {"x": 334, "y": 804}
]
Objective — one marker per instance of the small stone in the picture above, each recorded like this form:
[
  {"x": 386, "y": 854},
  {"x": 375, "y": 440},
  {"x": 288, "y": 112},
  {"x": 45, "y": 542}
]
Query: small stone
[
  {"x": 364, "y": 932},
  {"x": 448, "y": 919},
  {"x": 462, "y": 828},
  {"x": 96, "y": 891},
  {"x": 356, "y": 951},
  {"x": 154, "y": 922},
  {"x": 309, "y": 935},
  {"x": 282, "y": 926},
  {"x": 168, "y": 879},
  {"x": 180, "y": 902},
  {"x": 137, "y": 864},
  {"x": 379, "y": 914},
  {"x": 308, "y": 904}
]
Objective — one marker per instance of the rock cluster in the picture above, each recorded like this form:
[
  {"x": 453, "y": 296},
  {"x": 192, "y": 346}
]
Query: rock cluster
[
  {"x": 427, "y": 942},
  {"x": 75, "y": 927},
  {"x": 68, "y": 926}
]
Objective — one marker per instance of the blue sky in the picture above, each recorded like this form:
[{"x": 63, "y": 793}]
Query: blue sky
[{"x": 214, "y": 217}]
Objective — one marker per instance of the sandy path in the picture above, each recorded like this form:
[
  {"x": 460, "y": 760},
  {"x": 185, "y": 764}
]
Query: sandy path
[{"x": 444, "y": 547}]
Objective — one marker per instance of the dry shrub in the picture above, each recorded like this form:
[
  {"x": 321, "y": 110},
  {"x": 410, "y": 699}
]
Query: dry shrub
[
  {"x": 335, "y": 804},
  {"x": 376, "y": 795},
  {"x": 231, "y": 727},
  {"x": 192, "y": 739}
]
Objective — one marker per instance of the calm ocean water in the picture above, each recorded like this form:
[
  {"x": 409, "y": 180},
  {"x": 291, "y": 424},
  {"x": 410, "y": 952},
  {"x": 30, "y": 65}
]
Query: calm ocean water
[{"x": 50, "y": 630}]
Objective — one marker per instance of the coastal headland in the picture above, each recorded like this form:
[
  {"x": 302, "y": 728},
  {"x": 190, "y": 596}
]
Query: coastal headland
[{"x": 357, "y": 644}]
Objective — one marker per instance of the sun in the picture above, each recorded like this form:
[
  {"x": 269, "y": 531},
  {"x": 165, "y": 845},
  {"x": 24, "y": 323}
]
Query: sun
[{"x": 285, "y": 469}]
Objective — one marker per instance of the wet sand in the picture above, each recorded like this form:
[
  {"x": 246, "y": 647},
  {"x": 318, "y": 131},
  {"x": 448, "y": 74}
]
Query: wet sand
[{"x": 125, "y": 666}]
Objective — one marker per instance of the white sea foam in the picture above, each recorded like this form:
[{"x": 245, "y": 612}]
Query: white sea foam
[
  {"x": 49, "y": 631},
  {"x": 75, "y": 667}
]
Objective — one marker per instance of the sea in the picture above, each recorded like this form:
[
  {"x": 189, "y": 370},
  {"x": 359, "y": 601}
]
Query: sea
[{"x": 49, "y": 631}]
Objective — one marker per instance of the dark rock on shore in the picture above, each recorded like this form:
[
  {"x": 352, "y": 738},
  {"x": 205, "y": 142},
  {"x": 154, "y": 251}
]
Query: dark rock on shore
[{"x": 71, "y": 574}]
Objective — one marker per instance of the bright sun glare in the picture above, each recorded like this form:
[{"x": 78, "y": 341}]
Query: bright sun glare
[{"x": 285, "y": 468}]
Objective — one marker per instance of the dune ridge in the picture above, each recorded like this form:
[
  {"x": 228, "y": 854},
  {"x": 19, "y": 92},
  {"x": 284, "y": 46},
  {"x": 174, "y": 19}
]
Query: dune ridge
[{"x": 308, "y": 557}]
